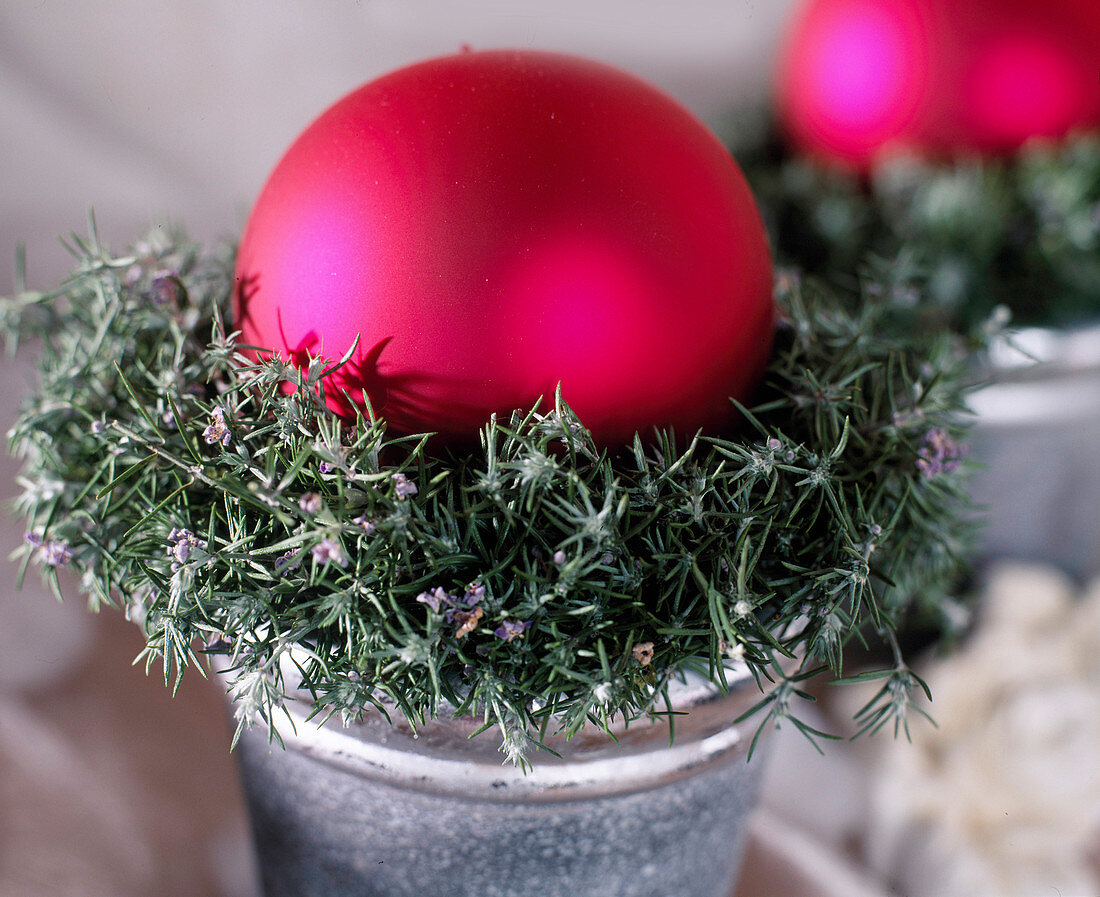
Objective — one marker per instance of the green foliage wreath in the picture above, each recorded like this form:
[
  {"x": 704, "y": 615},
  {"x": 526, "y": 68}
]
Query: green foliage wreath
[{"x": 536, "y": 580}]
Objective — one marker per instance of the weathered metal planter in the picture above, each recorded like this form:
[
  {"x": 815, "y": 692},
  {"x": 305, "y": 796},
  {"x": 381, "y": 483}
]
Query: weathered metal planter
[
  {"x": 377, "y": 810},
  {"x": 1038, "y": 437}
]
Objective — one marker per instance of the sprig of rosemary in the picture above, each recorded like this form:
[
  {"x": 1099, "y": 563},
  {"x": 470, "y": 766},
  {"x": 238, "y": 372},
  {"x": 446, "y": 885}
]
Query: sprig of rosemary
[{"x": 537, "y": 580}]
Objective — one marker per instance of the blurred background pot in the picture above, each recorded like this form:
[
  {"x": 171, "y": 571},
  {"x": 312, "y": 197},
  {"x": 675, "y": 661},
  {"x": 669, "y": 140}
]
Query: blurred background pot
[
  {"x": 1038, "y": 439},
  {"x": 378, "y": 810}
]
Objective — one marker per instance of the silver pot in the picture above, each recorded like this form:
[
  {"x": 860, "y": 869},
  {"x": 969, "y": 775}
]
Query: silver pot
[
  {"x": 1037, "y": 436},
  {"x": 378, "y": 810}
]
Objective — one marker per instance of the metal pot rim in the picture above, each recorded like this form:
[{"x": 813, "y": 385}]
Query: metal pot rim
[
  {"x": 1038, "y": 376},
  {"x": 441, "y": 757},
  {"x": 1039, "y": 352}
]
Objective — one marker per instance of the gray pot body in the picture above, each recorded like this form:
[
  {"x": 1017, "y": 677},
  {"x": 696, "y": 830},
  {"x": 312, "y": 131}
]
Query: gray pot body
[
  {"x": 1037, "y": 437},
  {"x": 378, "y": 811}
]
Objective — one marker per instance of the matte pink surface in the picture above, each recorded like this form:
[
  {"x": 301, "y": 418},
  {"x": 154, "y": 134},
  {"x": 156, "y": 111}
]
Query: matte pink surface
[
  {"x": 861, "y": 79},
  {"x": 491, "y": 224}
]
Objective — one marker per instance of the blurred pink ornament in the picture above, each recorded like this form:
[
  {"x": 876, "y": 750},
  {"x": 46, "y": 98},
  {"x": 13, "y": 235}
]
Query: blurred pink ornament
[{"x": 860, "y": 80}]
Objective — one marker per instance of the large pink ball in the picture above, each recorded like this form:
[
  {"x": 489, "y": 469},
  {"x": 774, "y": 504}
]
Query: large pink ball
[
  {"x": 490, "y": 224},
  {"x": 862, "y": 79}
]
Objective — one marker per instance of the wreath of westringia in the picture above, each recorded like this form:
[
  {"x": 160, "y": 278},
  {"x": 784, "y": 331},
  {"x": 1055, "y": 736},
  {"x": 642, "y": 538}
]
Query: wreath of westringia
[{"x": 534, "y": 580}]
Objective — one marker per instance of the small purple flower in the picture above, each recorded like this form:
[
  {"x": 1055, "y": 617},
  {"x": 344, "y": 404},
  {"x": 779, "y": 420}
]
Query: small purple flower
[
  {"x": 404, "y": 486},
  {"x": 512, "y": 629},
  {"x": 325, "y": 467},
  {"x": 559, "y": 557},
  {"x": 774, "y": 444},
  {"x": 164, "y": 290},
  {"x": 435, "y": 599},
  {"x": 51, "y": 552},
  {"x": 328, "y": 550},
  {"x": 283, "y": 561},
  {"x": 218, "y": 431},
  {"x": 98, "y": 427},
  {"x": 310, "y": 503},
  {"x": 475, "y": 591},
  {"x": 181, "y": 543},
  {"x": 56, "y": 554},
  {"x": 369, "y": 524},
  {"x": 456, "y": 608},
  {"x": 939, "y": 454}
]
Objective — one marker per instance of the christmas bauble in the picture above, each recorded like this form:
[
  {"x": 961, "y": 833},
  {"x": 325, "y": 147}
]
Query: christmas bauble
[
  {"x": 863, "y": 79},
  {"x": 491, "y": 224}
]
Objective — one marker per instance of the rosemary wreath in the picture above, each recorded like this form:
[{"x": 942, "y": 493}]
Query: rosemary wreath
[{"x": 535, "y": 580}]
